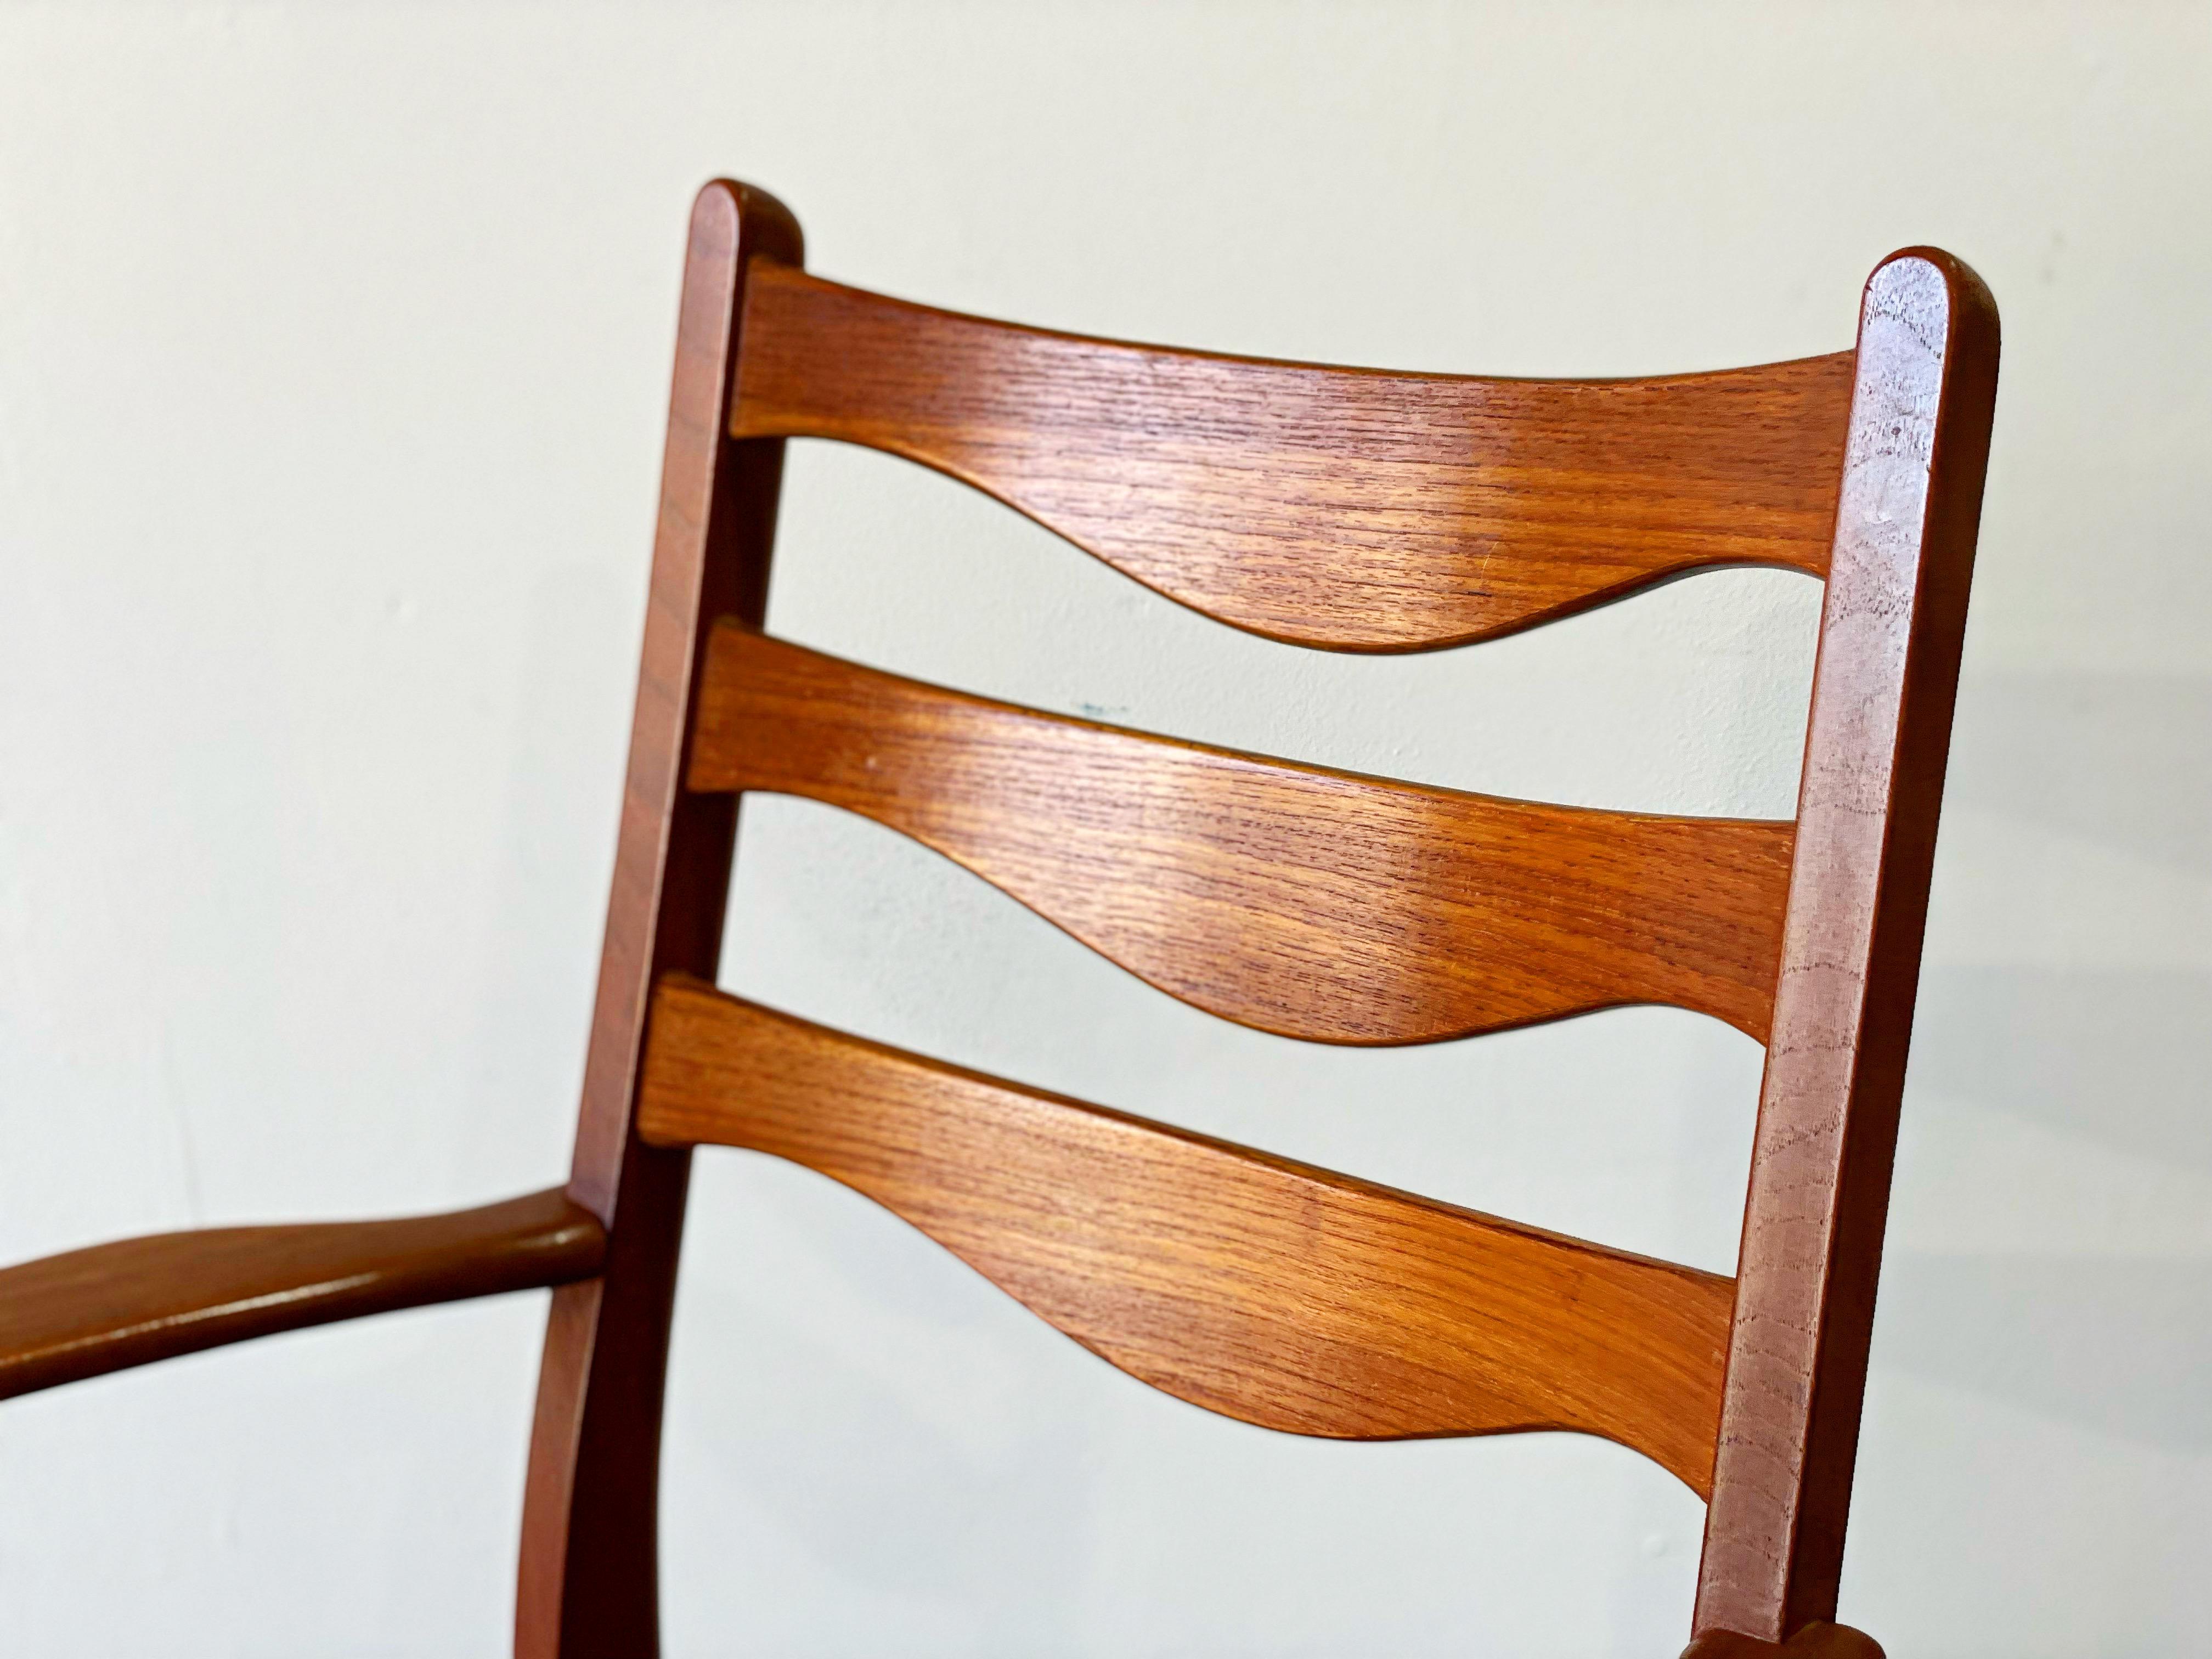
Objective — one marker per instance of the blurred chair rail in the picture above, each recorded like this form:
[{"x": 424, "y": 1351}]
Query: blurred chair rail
[{"x": 1347, "y": 509}]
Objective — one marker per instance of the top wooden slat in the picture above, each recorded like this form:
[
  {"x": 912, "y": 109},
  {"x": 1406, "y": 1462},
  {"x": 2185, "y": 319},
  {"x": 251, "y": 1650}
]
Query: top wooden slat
[{"x": 1356, "y": 509}]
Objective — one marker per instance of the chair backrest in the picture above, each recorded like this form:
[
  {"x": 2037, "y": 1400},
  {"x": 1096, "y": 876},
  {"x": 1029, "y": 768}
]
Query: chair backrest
[{"x": 1355, "y": 510}]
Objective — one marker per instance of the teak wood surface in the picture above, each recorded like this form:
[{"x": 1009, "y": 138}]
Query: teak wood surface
[
  {"x": 1818, "y": 1640},
  {"x": 1353, "y": 509},
  {"x": 1345, "y": 508},
  {"x": 1257, "y": 1288},
  {"x": 92, "y": 1311},
  {"x": 1892, "y": 629},
  {"x": 1311, "y": 903},
  {"x": 590, "y": 1573}
]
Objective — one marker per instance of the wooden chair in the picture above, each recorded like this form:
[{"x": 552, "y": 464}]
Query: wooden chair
[{"x": 1349, "y": 509}]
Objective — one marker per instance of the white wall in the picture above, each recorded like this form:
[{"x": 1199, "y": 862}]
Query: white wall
[{"x": 333, "y": 343}]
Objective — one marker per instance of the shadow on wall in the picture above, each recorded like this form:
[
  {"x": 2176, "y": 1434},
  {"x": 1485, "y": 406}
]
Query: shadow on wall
[
  {"x": 2121, "y": 1345},
  {"x": 2112, "y": 1057},
  {"x": 2117, "y": 759},
  {"x": 2115, "y": 1056}
]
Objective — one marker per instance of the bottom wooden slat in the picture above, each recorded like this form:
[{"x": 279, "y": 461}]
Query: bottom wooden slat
[{"x": 1265, "y": 1289}]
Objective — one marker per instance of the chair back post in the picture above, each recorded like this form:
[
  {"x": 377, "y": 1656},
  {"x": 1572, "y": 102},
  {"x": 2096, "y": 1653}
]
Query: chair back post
[
  {"x": 1891, "y": 632},
  {"x": 588, "y": 1581}
]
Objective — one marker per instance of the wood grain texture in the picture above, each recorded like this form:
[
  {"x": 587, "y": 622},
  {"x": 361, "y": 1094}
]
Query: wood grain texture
[
  {"x": 132, "y": 1303},
  {"x": 589, "y": 1583},
  {"x": 1269, "y": 1290},
  {"x": 1883, "y": 689},
  {"x": 1351, "y": 508},
  {"x": 1311, "y": 903},
  {"x": 1818, "y": 1641}
]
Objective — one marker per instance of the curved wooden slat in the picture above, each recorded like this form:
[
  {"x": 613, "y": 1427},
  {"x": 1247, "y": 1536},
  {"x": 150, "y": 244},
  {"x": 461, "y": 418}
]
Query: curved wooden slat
[
  {"x": 1265, "y": 1289},
  {"x": 1352, "y": 508},
  {"x": 113, "y": 1306},
  {"x": 1316, "y": 903}
]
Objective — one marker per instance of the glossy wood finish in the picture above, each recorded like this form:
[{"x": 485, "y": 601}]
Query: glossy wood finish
[
  {"x": 588, "y": 1582},
  {"x": 1304, "y": 901},
  {"x": 1890, "y": 640},
  {"x": 1818, "y": 1641},
  {"x": 1352, "y": 508},
  {"x": 132, "y": 1303},
  {"x": 1257, "y": 1288}
]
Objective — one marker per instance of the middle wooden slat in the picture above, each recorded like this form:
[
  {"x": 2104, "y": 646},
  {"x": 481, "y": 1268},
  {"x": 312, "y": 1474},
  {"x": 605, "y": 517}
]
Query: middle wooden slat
[{"x": 1312, "y": 903}]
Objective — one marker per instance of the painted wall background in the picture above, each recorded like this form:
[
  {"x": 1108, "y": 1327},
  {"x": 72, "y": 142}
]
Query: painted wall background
[{"x": 334, "y": 343}]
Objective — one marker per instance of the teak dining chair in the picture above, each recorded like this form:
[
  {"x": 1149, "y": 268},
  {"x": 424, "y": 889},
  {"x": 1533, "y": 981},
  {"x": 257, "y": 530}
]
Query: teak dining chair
[{"x": 1352, "y": 510}]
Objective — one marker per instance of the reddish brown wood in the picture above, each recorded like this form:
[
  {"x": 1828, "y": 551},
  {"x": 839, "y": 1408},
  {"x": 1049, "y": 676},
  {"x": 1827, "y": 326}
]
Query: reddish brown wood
[
  {"x": 1821, "y": 1640},
  {"x": 1257, "y": 1288},
  {"x": 588, "y": 1586},
  {"x": 1308, "y": 902},
  {"x": 1352, "y": 508},
  {"x": 93, "y": 1311},
  {"x": 1346, "y": 509},
  {"x": 1890, "y": 640}
]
